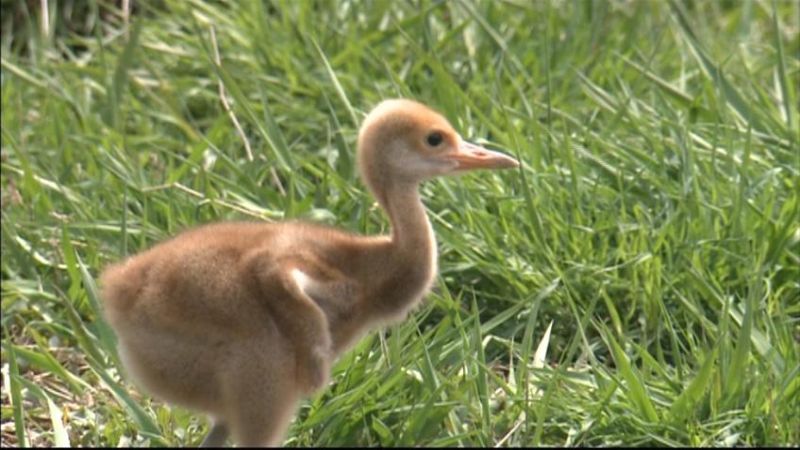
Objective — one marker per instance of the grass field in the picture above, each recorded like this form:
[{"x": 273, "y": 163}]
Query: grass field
[{"x": 649, "y": 244}]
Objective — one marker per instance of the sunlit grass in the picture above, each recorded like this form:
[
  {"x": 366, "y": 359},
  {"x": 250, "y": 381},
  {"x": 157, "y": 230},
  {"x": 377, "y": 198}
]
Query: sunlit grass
[{"x": 655, "y": 221}]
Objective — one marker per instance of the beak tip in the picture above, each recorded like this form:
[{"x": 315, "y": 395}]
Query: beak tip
[
  {"x": 471, "y": 156},
  {"x": 508, "y": 162}
]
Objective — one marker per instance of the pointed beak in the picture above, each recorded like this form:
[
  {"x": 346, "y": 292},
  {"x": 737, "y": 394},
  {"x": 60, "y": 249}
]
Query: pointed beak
[{"x": 470, "y": 156}]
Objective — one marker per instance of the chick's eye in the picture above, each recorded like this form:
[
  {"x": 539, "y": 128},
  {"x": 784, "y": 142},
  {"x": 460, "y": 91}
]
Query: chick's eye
[{"x": 435, "y": 138}]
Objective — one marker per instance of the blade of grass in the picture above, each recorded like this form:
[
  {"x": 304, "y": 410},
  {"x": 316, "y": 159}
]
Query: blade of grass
[
  {"x": 337, "y": 86},
  {"x": 786, "y": 87},
  {"x": 120, "y": 78},
  {"x": 47, "y": 363},
  {"x": 60, "y": 435},
  {"x": 482, "y": 389},
  {"x": 16, "y": 393},
  {"x": 691, "y": 396},
  {"x": 635, "y": 386}
]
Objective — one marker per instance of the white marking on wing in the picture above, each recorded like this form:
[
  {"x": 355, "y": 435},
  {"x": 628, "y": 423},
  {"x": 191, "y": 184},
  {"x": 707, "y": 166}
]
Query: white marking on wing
[
  {"x": 304, "y": 282},
  {"x": 323, "y": 291}
]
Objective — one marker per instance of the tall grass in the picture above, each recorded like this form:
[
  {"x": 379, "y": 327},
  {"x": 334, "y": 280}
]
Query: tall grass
[{"x": 654, "y": 224}]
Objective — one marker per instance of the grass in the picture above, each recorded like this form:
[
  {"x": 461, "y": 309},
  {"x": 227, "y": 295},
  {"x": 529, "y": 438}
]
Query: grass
[{"x": 654, "y": 225}]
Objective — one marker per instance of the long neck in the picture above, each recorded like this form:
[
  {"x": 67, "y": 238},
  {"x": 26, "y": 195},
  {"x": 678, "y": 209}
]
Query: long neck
[
  {"x": 412, "y": 251},
  {"x": 412, "y": 235}
]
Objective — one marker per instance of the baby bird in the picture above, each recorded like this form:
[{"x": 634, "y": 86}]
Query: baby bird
[{"x": 243, "y": 320}]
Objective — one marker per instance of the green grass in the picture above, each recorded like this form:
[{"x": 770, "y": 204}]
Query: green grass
[{"x": 655, "y": 222}]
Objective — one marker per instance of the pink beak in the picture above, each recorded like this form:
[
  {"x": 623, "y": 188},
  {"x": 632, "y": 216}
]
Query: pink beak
[{"x": 470, "y": 156}]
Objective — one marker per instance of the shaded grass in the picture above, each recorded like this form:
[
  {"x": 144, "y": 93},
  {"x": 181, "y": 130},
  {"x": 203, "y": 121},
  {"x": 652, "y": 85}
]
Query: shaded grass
[{"x": 654, "y": 222}]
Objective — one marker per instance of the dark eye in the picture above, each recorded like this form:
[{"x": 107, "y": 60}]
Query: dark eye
[{"x": 435, "y": 138}]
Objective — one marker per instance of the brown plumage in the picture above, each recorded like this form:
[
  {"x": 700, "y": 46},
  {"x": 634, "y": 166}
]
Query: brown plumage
[{"x": 241, "y": 320}]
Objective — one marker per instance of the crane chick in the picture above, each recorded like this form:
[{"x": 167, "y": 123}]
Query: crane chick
[{"x": 242, "y": 320}]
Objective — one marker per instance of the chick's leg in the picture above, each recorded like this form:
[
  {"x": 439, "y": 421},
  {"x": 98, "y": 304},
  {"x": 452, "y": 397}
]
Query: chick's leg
[
  {"x": 260, "y": 395},
  {"x": 217, "y": 436}
]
